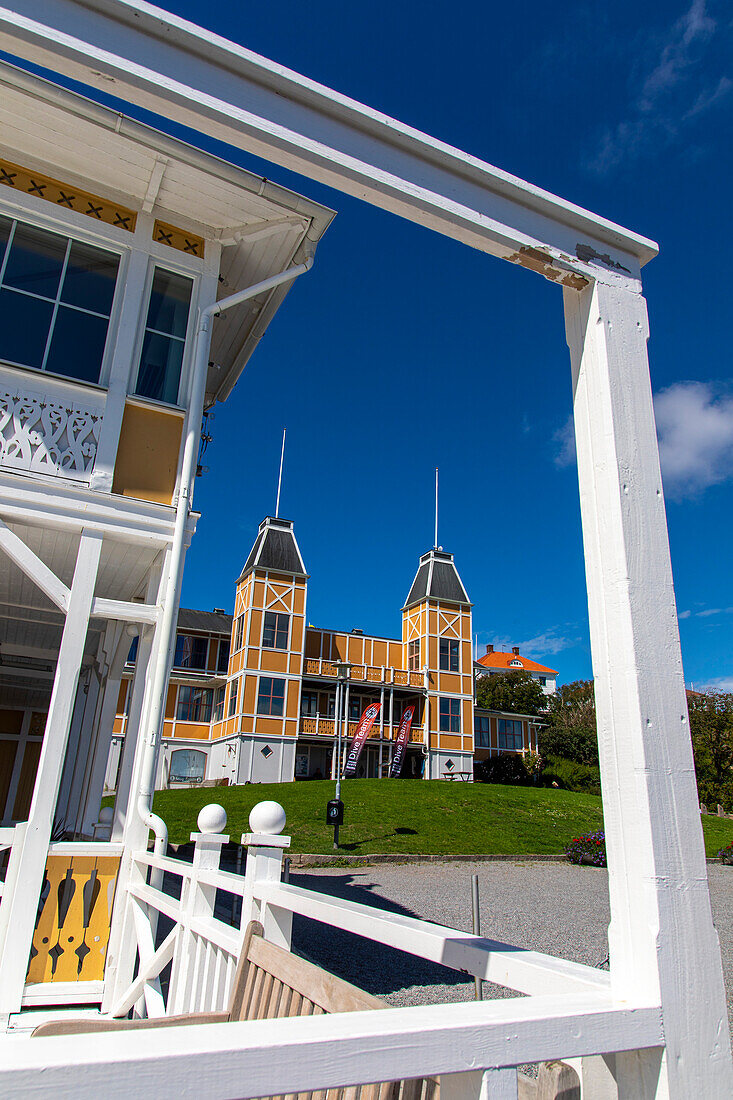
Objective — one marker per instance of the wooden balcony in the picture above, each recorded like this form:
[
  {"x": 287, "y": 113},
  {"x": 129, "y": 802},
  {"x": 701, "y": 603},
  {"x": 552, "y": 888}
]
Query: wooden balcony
[
  {"x": 324, "y": 727},
  {"x": 372, "y": 674}
]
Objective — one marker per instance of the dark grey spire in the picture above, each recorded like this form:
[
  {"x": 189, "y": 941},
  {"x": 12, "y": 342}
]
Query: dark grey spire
[
  {"x": 275, "y": 548},
  {"x": 437, "y": 578}
]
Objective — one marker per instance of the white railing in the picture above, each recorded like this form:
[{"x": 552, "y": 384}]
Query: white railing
[
  {"x": 568, "y": 1011},
  {"x": 49, "y": 426}
]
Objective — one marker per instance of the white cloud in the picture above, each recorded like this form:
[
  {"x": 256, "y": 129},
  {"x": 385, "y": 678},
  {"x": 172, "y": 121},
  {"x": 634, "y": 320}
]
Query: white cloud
[
  {"x": 676, "y": 90},
  {"x": 721, "y": 684},
  {"x": 695, "y": 429},
  {"x": 565, "y": 439},
  {"x": 546, "y": 644},
  {"x": 684, "y": 614}
]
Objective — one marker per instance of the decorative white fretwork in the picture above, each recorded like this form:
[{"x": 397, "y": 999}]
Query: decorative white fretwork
[{"x": 41, "y": 435}]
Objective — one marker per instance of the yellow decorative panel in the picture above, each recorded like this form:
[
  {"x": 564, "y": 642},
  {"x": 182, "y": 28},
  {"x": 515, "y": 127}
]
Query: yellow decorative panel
[
  {"x": 72, "y": 927},
  {"x": 177, "y": 238},
  {"x": 66, "y": 196},
  {"x": 147, "y": 454}
]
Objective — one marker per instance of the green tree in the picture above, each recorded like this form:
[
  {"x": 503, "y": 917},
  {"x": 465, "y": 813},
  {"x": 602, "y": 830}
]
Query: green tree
[
  {"x": 515, "y": 692},
  {"x": 570, "y": 732},
  {"x": 711, "y": 727}
]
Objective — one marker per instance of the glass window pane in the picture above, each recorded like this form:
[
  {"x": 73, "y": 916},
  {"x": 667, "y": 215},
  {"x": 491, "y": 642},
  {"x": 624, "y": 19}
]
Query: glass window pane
[
  {"x": 35, "y": 261},
  {"x": 24, "y": 325},
  {"x": 160, "y": 368},
  {"x": 90, "y": 278},
  {"x": 77, "y": 344},
  {"x": 169, "y": 302}
]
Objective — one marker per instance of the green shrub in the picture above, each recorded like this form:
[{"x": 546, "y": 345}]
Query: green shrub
[
  {"x": 571, "y": 776},
  {"x": 507, "y": 768}
]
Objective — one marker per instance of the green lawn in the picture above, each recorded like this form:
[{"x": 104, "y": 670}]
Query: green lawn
[{"x": 412, "y": 816}]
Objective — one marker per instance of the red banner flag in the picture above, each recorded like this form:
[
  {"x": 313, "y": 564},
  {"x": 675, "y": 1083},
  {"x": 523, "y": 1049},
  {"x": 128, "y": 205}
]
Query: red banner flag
[
  {"x": 403, "y": 736},
  {"x": 362, "y": 732}
]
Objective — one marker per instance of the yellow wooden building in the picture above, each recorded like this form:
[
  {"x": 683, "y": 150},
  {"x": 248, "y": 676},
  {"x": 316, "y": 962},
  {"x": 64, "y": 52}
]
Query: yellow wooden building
[{"x": 252, "y": 697}]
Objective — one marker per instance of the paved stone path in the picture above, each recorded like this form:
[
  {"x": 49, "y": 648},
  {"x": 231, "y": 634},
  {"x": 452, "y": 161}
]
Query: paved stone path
[{"x": 556, "y": 908}]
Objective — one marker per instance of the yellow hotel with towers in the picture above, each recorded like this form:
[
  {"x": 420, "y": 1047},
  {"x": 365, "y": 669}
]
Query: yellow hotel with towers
[{"x": 252, "y": 696}]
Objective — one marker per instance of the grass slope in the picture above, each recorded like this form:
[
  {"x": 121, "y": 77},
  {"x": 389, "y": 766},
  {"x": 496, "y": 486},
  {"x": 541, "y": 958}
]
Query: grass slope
[{"x": 410, "y": 816}]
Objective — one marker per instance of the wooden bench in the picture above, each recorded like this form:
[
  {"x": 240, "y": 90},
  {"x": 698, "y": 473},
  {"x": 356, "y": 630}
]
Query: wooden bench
[{"x": 271, "y": 983}]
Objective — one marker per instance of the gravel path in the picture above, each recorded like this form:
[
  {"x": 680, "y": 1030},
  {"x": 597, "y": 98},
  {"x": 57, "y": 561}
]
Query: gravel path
[{"x": 555, "y": 908}]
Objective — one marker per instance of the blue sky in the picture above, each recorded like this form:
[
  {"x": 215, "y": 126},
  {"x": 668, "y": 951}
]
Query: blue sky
[{"x": 402, "y": 351}]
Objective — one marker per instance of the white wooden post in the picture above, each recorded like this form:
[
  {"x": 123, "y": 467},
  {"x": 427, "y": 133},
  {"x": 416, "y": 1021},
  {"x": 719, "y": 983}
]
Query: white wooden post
[
  {"x": 28, "y": 855},
  {"x": 489, "y": 1084},
  {"x": 662, "y": 943},
  {"x": 195, "y": 976},
  {"x": 264, "y": 864}
]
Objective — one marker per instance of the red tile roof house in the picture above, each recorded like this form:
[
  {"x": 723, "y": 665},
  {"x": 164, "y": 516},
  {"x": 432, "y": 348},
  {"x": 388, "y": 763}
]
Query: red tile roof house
[{"x": 497, "y": 661}]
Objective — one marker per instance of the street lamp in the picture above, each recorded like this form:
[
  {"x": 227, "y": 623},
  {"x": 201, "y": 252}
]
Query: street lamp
[{"x": 335, "y": 808}]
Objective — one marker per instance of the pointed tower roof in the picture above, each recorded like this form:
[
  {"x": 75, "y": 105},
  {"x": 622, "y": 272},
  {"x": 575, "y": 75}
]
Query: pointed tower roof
[
  {"x": 275, "y": 548},
  {"x": 437, "y": 578}
]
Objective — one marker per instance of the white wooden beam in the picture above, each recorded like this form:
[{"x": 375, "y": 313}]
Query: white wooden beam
[
  {"x": 35, "y": 569},
  {"x": 515, "y": 968},
  {"x": 28, "y": 858},
  {"x": 103, "y": 608},
  {"x": 167, "y": 65},
  {"x": 312, "y": 1053},
  {"x": 663, "y": 946}
]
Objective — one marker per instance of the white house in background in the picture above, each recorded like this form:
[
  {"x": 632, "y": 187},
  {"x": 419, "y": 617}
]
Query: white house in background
[
  {"x": 495, "y": 662},
  {"x": 116, "y": 244}
]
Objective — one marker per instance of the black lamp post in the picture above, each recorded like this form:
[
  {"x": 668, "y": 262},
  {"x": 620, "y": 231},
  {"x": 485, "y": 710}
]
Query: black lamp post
[{"x": 335, "y": 808}]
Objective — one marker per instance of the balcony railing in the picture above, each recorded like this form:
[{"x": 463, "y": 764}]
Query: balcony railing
[
  {"x": 567, "y": 1009},
  {"x": 371, "y": 674},
  {"x": 49, "y": 427},
  {"x": 324, "y": 727}
]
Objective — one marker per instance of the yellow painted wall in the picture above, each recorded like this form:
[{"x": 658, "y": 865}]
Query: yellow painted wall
[{"x": 147, "y": 455}]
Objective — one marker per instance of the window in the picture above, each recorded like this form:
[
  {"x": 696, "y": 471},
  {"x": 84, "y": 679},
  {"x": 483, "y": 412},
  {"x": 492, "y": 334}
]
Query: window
[
  {"x": 233, "y": 688},
  {"x": 190, "y": 651},
  {"x": 55, "y": 301},
  {"x": 448, "y": 655},
  {"x": 275, "y": 630},
  {"x": 194, "y": 704},
  {"x": 222, "y": 662},
  {"x": 161, "y": 359},
  {"x": 309, "y": 704},
  {"x": 450, "y": 715},
  {"x": 187, "y": 766},
  {"x": 271, "y": 697},
  {"x": 132, "y": 655},
  {"x": 218, "y": 713},
  {"x": 354, "y": 708},
  {"x": 238, "y": 632},
  {"x": 481, "y": 731},
  {"x": 510, "y": 734},
  {"x": 413, "y": 656},
  {"x": 542, "y": 680}
]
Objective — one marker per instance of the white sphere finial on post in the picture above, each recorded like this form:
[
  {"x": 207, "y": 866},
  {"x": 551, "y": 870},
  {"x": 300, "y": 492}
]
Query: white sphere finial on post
[
  {"x": 267, "y": 817},
  {"x": 212, "y": 818},
  {"x": 106, "y": 815}
]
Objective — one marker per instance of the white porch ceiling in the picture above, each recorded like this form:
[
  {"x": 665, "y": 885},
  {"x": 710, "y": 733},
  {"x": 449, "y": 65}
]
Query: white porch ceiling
[{"x": 263, "y": 228}]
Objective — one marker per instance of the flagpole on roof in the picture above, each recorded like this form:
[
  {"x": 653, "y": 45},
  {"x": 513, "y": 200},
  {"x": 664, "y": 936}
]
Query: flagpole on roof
[
  {"x": 435, "y": 544},
  {"x": 280, "y": 478}
]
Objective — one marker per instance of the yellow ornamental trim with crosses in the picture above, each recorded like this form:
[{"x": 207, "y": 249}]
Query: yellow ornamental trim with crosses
[
  {"x": 66, "y": 196},
  {"x": 178, "y": 238}
]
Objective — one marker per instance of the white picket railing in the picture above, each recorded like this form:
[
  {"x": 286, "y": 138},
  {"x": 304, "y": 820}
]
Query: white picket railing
[{"x": 569, "y": 1010}]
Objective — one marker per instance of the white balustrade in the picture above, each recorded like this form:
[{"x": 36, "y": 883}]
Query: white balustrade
[
  {"x": 49, "y": 427},
  {"x": 568, "y": 1011}
]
